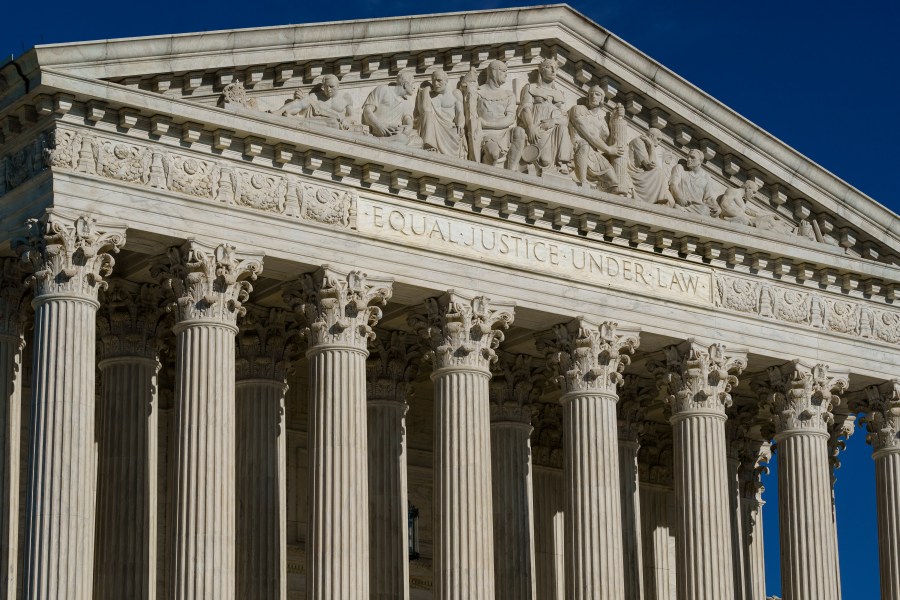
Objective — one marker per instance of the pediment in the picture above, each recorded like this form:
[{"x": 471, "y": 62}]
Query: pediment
[{"x": 253, "y": 74}]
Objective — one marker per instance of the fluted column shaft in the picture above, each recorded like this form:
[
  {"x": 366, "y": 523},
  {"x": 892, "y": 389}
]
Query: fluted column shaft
[
  {"x": 887, "y": 485},
  {"x": 261, "y": 490},
  {"x": 208, "y": 286},
  {"x": 803, "y": 398},
  {"x": 62, "y": 483},
  {"x": 335, "y": 308},
  {"x": 125, "y": 559},
  {"x": 388, "y": 526},
  {"x": 549, "y": 524},
  {"x": 594, "y": 565},
  {"x": 463, "y": 509},
  {"x": 11, "y": 345},
  {"x": 513, "y": 503},
  {"x": 754, "y": 549},
  {"x": 738, "y": 536},
  {"x": 658, "y": 537},
  {"x": 806, "y": 524},
  {"x": 631, "y": 519},
  {"x": 69, "y": 261},
  {"x": 462, "y": 338},
  {"x": 705, "y": 568},
  {"x": 205, "y": 485}
]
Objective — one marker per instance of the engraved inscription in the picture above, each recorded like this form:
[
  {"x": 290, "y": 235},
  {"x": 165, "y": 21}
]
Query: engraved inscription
[{"x": 606, "y": 267}]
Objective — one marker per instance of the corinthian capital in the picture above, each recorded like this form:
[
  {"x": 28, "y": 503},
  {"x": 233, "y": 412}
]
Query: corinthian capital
[
  {"x": 206, "y": 283},
  {"x": 391, "y": 367},
  {"x": 130, "y": 320},
  {"x": 514, "y": 388},
  {"x": 68, "y": 257},
  {"x": 585, "y": 357},
  {"x": 462, "y": 332},
  {"x": 267, "y": 343},
  {"x": 803, "y": 396},
  {"x": 696, "y": 377},
  {"x": 12, "y": 296},
  {"x": 337, "y": 308},
  {"x": 635, "y": 396},
  {"x": 882, "y": 420}
]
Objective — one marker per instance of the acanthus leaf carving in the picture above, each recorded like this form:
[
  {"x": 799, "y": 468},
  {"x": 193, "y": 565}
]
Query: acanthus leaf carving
[
  {"x": 634, "y": 398},
  {"x": 207, "y": 283},
  {"x": 843, "y": 427},
  {"x": 13, "y": 294},
  {"x": 514, "y": 388},
  {"x": 338, "y": 309},
  {"x": 461, "y": 331},
  {"x": 587, "y": 357},
  {"x": 882, "y": 419},
  {"x": 268, "y": 342},
  {"x": 130, "y": 321},
  {"x": 392, "y": 366},
  {"x": 698, "y": 377},
  {"x": 68, "y": 257},
  {"x": 546, "y": 447},
  {"x": 803, "y": 396},
  {"x": 656, "y": 456}
]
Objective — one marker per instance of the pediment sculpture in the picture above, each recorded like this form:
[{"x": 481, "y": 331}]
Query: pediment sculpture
[{"x": 534, "y": 129}]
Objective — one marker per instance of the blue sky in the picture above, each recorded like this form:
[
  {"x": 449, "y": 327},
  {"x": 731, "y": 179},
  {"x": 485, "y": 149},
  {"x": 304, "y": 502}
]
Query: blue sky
[{"x": 811, "y": 73}]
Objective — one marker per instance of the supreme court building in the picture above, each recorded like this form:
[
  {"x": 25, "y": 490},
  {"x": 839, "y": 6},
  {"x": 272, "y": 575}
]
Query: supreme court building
[{"x": 463, "y": 306}]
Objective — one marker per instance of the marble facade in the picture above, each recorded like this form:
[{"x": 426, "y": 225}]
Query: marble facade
[{"x": 493, "y": 307}]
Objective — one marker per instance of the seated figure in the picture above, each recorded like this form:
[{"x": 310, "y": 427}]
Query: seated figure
[
  {"x": 649, "y": 178},
  {"x": 388, "y": 113},
  {"x": 691, "y": 187},
  {"x": 593, "y": 148},
  {"x": 439, "y": 116},
  {"x": 543, "y": 117},
  {"x": 490, "y": 111},
  {"x": 327, "y": 105}
]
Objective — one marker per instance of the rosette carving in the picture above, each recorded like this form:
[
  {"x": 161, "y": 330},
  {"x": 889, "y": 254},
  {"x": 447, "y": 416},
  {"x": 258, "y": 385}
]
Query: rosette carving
[
  {"x": 206, "y": 283},
  {"x": 267, "y": 344},
  {"x": 391, "y": 368},
  {"x": 462, "y": 332},
  {"x": 68, "y": 257},
  {"x": 514, "y": 387},
  {"x": 883, "y": 418},
  {"x": 586, "y": 357},
  {"x": 803, "y": 396},
  {"x": 698, "y": 377},
  {"x": 130, "y": 320},
  {"x": 338, "y": 309}
]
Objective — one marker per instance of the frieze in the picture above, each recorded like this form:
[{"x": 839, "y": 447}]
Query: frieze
[
  {"x": 214, "y": 180},
  {"x": 807, "y": 307}
]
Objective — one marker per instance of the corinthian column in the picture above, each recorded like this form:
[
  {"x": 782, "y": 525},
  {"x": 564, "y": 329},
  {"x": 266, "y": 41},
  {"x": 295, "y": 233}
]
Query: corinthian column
[
  {"x": 588, "y": 360},
  {"x": 125, "y": 552},
  {"x": 209, "y": 290},
  {"x": 389, "y": 374},
  {"x": 266, "y": 345},
  {"x": 69, "y": 261},
  {"x": 883, "y": 424},
  {"x": 462, "y": 338},
  {"x": 697, "y": 380},
  {"x": 631, "y": 422},
  {"x": 335, "y": 308},
  {"x": 512, "y": 391},
  {"x": 754, "y": 456},
  {"x": 804, "y": 397},
  {"x": 12, "y": 343}
]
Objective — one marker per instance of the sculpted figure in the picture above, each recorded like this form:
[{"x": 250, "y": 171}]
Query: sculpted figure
[
  {"x": 645, "y": 166},
  {"x": 491, "y": 120},
  {"x": 734, "y": 204},
  {"x": 691, "y": 187},
  {"x": 543, "y": 116},
  {"x": 388, "y": 114},
  {"x": 439, "y": 116},
  {"x": 593, "y": 147},
  {"x": 327, "y": 105}
]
